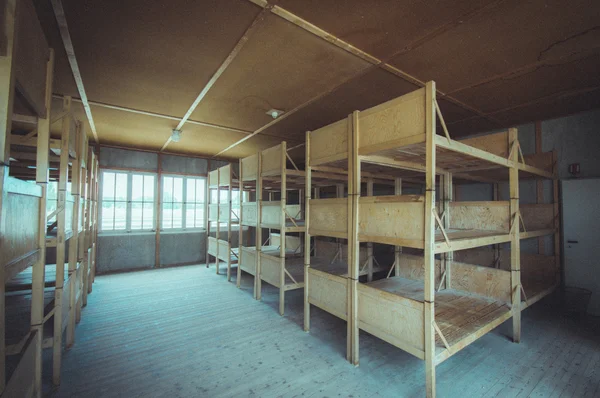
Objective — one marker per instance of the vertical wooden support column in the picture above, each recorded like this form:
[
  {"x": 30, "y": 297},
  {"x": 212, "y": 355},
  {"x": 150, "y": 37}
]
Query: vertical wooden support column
[
  {"x": 73, "y": 242},
  {"x": 86, "y": 267},
  {"x": 370, "y": 244},
  {"x": 95, "y": 201},
  {"x": 353, "y": 243},
  {"x": 429, "y": 238},
  {"x": 339, "y": 193},
  {"x": 397, "y": 249},
  {"x": 448, "y": 257},
  {"x": 515, "y": 244},
  {"x": 240, "y": 228},
  {"x": 39, "y": 268},
  {"x": 282, "y": 229},
  {"x": 218, "y": 235},
  {"x": 557, "y": 245},
  {"x": 158, "y": 211},
  {"x": 496, "y": 197},
  {"x": 7, "y": 83},
  {"x": 229, "y": 212},
  {"x": 60, "y": 240},
  {"x": 259, "y": 196},
  {"x": 307, "y": 249}
]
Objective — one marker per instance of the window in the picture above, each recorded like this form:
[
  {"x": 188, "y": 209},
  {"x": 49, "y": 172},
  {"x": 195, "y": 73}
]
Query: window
[
  {"x": 127, "y": 201},
  {"x": 183, "y": 202}
]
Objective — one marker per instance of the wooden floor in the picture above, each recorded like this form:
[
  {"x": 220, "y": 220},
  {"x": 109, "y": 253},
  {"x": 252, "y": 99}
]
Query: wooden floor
[{"x": 186, "y": 332}]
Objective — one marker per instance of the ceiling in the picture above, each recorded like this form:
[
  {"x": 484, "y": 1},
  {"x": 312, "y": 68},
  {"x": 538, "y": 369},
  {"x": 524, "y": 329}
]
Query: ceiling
[{"x": 496, "y": 64}]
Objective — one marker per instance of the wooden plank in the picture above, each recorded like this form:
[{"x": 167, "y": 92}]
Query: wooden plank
[
  {"x": 537, "y": 217},
  {"x": 327, "y": 291},
  {"x": 328, "y": 217},
  {"x": 22, "y": 383},
  {"x": 386, "y": 125},
  {"x": 429, "y": 240},
  {"x": 495, "y": 143},
  {"x": 392, "y": 318},
  {"x": 515, "y": 245},
  {"x": 459, "y": 147},
  {"x": 490, "y": 216},
  {"x": 354, "y": 265},
  {"x": 307, "y": 216},
  {"x": 282, "y": 244},
  {"x": 484, "y": 281},
  {"x": 272, "y": 162},
  {"x": 249, "y": 168},
  {"x": 329, "y": 143}
]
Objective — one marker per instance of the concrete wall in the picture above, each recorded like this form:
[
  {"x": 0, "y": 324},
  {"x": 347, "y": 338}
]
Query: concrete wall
[{"x": 132, "y": 251}]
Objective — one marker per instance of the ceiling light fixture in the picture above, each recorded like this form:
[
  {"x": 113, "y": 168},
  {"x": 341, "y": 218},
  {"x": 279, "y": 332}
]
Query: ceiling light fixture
[
  {"x": 176, "y": 135},
  {"x": 275, "y": 113}
]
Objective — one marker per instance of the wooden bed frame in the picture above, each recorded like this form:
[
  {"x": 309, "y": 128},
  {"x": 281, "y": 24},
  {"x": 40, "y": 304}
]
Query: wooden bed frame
[
  {"x": 400, "y": 137},
  {"x": 224, "y": 178},
  {"x": 26, "y": 150}
]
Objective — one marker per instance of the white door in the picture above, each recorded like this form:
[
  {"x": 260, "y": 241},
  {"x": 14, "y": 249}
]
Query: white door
[{"x": 581, "y": 236}]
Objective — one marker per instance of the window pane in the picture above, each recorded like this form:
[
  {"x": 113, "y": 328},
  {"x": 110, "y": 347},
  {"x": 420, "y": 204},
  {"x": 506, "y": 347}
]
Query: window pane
[
  {"x": 189, "y": 216},
  {"x": 190, "y": 190},
  {"x": 136, "y": 215},
  {"x": 137, "y": 188},
  {"x": 213, "y": 196},
  {"x": 108, "y": 216},
  {"x": 200, "y": 194},
  {"x": 177, "y": 215},
  {"x": 148, "y": 188},
  {"x": 148, "y": 220},
  {"x": 167, "y": 216},
  {"x": 120, "y": 215},
  {"x": 108, "y": 186},
  {"x": 177, "y": 189},
  {"x": 235, "y": 197},
  {"x": 121, "y": 187},
  {"x": 167, "y": 189},
  {"x": 224, "y": 195},
  {"x": 199, "y": 215}
]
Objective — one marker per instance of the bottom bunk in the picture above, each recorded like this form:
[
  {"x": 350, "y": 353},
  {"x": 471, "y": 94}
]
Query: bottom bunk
[
  {"x": 393, "y": 310},
  {"x": 222, "y": 251}
]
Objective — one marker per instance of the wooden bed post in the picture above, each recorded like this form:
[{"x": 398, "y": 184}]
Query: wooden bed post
[
  {"x": 539, "y": 184},
  {"x": 515, "y": 244},
  {"x": 7, "y": 91},
  {"x": 353, "y": 242},
  {"x": 240, "y": 227},
  {"x": 370, "y": 244},
  {"x": 88, "y": 227},
  {"x": 158, "y": 215},
  {"x": 447, "y": 257},
  {"x": 60, "y": 245},
  {"x": 229, "y": 212},
  {"x": 339, "y": 193},
  {"x": 218, "y": 235},
  {"x": 259, "y": 196},
  {"x": 397, "y": 249},
  {"x": 307, "y": 251},
  {"x": 429, "y": 296},
  {"x": 282, "y": 230},
  {"x": 95, "y": 196},
  {"x": 73, "y": 249},
  {"x": 39, "y": 268}
]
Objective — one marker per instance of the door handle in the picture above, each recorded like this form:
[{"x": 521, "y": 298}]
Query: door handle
[{"x": 572, "y": 241}]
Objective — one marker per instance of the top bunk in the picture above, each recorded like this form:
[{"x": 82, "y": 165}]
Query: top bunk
[
  {"x": 224, "y": 177},
  {"x": 392, "y": 137}
]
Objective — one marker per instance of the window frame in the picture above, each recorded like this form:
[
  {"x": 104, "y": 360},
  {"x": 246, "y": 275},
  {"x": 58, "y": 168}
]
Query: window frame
[
  {"x": 204, "y": 203},
  {"x": 129, "y": 201}
]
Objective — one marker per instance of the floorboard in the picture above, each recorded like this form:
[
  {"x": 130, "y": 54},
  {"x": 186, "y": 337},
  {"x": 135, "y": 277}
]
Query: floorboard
[{"x": 185, "y": 331}]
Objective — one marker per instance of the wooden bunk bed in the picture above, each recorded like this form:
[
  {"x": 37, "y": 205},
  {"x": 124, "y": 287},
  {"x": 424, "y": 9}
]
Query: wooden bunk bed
[
  {"x": 429, "y": 308},
  {"x": 222, "y": 211}
]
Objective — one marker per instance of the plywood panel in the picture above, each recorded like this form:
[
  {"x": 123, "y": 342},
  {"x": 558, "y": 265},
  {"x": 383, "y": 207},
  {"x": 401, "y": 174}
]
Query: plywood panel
[
  {"x": 392, "y": 318},
  {"x": 329, "y": 143},
  {"x": 224, "y": 250},
  {"x": 484, "y": 281},
  {"x": 271, "y": 161},
  {"x": 488, "y": 216},
  {"x": 401, "y": 118},
  {"x": 413, "y": 267},
  {"x": 385, "y": 219},
  {"x": 474, "y": 51},
  {"x": 281, "y": 66},
  {"x": 150, "y": 56},
  {"x": 496, "y": 143},
  {"x": 270, "y": 269},
  {"x": 328, "y": 216},
  {"x": 291, "y": 242},
  {"x": 537, "y": 216},
  {"x": 212, "y": 246},
  {"x": 373, "y": 26},
  {"x": 250, "y": 168},
  {"x": 249, "y": 214},
  {"x": 213, "y": 178},
  {"x": 248, "y": 260},
  {"x": 328, "y": 292},
  {"x": 19, "y": 227}
]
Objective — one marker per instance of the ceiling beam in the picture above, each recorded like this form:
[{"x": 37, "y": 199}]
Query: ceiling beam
[
  {"x": 61, "y": 19},
  {"x": 153, "y": 114},
  {"x": 232, "y": 55},
  {"x": 374, "y": 61}
]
